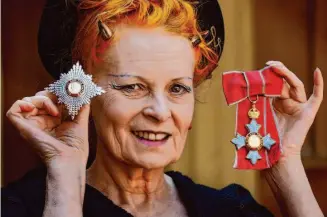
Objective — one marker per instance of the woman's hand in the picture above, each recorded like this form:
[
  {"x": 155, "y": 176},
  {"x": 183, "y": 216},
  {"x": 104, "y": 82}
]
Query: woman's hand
[
  {"x": 295, "y": 113},
  {"x": 63, "y": 145},
  {"x": 40, "y": 121}
]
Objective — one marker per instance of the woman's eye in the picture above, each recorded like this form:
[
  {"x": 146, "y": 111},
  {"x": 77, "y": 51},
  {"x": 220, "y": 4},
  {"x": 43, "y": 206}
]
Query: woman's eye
[
  {"x": 179, "y": 89},
  {"x": 131, "y": 87}
]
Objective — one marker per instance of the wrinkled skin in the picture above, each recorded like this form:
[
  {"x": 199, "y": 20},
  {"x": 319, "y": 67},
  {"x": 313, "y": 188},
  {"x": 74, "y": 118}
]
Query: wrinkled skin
[{"x": 156, "y": 101}]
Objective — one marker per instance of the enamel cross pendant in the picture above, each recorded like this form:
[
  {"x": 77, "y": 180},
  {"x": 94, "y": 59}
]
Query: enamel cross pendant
[
  {"x": 75, "y": 89},
  {"x": 253, "y": 141}
]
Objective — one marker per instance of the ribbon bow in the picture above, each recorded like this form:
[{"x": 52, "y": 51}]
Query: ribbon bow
[{"x": 244, "y": 89}]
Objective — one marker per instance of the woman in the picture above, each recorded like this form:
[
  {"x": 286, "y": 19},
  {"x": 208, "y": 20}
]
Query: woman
[{"x": 148, "y": 56}]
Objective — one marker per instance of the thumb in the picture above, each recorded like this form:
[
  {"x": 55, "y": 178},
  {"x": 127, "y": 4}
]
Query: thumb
[
  {"x": 83, "y": 115},
  {"x": 318, "y": 90}
]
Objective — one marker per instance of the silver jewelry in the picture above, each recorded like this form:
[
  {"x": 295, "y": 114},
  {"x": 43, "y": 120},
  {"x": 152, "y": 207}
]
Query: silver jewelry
[{"x": 75, "y": 89}]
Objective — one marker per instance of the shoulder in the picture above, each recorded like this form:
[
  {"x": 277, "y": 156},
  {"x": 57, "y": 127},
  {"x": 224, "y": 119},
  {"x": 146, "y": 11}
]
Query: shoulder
[
  {"x": 25, "y": 197},
  {"x": 232, "y": 200}
]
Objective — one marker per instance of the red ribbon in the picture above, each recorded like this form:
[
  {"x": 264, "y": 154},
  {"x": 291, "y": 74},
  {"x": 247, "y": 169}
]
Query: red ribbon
[{"x": 238, "y": 87}]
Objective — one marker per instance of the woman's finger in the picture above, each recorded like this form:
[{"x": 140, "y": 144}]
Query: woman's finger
[
  {"x": 83, "y": 115},
  {"x": 19, "y": 107},
  {"x": 295, "y": 83},
  {"x": 43, "y": 102},
  {"x": 318, "y": 90},
  {"x": 35, "y": 135},
  {"x": 48, "y": 94},
  {"x": 53, "y": 98},
  {"x": 285, "y": 94},
  {"x": 41, "y": 112}
]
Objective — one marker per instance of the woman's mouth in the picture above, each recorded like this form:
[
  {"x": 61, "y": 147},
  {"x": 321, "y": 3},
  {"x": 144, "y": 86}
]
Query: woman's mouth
[{"x": 151, "y": 138}]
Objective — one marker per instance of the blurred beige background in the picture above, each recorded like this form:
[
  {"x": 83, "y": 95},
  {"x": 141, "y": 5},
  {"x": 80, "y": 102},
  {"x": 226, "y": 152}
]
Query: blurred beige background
[{"x": 294, "y": 32}]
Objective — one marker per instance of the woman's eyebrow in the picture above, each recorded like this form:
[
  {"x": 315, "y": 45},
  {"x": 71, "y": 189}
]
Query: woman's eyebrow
[
  {"x": 128, "y": 76},
  {"x": 180, "y": 78},
  {"x": 122, "y": 75},
  {"x": 142, "y": 78}
]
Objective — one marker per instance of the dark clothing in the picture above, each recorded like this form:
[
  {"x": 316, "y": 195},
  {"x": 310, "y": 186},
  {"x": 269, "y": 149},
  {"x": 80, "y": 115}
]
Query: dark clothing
[{"x": 26, "y": 198}]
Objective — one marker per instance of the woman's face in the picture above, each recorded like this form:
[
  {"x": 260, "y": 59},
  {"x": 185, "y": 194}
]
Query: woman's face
[{"x": 144, "y": 116}]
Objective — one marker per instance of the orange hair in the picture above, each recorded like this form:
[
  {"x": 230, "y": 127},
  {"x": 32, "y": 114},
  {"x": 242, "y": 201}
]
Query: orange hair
[{"x": 176, "y": 16}]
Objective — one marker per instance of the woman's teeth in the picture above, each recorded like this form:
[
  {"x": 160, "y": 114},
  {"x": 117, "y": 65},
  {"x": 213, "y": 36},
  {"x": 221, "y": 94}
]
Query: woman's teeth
[{"x": 151, "y": 136}]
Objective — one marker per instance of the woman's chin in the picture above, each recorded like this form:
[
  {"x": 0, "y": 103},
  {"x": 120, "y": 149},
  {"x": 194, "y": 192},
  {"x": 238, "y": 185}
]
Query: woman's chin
[{"x": 154, "y": 161}]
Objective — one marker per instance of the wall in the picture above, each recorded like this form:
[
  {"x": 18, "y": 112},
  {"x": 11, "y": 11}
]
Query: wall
[{"x": 23, "y": 75}]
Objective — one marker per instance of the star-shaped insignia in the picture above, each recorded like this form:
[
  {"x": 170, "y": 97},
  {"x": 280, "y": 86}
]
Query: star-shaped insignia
[
  {"x": 253, "y": 141},
  {"x": 75, "y": 89}
]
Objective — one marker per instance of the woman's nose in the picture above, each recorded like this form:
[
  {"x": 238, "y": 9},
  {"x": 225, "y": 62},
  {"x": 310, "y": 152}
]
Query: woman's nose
[{"x": 158, "y": 109}]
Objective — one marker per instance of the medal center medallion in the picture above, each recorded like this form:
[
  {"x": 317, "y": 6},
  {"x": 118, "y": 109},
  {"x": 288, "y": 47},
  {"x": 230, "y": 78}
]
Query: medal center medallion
[
  {"x": 74, "y": 88},
  {"x": 254, "y": 141}
]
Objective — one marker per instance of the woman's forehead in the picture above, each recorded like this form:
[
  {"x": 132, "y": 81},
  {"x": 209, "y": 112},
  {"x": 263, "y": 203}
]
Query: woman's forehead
[
  {"x": 149, "y": 38},
  {"x": 140, "y": 49}
]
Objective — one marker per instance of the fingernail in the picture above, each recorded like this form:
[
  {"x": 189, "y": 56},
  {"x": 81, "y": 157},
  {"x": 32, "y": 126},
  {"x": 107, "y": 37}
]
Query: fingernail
[
  {"x": 270, "y": 62},
  {"x": 317, "y": 69},
  {"x": 273, "y": 63}
]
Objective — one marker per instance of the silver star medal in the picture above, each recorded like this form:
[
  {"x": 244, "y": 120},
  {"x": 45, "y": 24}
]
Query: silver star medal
[
  {"x": 253, "y": 141},
  {"x": 75, "y": 89}
]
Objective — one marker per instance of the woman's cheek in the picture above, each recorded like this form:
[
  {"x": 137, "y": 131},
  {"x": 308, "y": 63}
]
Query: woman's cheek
[
  {"x": 184, "y": 114},
  {"x": 123, "y": 111}
]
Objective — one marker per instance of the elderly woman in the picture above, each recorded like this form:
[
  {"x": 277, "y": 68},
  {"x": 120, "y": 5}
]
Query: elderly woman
[{"x": 148, "y": 56}]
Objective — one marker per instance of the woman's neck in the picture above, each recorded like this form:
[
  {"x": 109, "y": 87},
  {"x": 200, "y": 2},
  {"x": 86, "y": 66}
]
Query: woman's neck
[{"x": 134, "y": 189}]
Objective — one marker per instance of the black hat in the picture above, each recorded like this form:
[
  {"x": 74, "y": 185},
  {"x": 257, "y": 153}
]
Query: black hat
[{"x": 58, "y": 27}]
